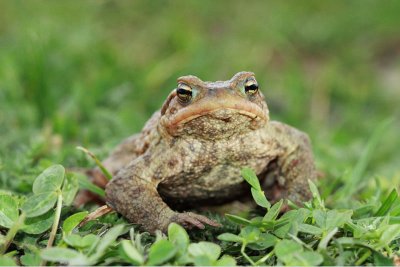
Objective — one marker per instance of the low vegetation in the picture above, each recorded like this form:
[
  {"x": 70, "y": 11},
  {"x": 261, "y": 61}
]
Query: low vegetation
[{"x": 309, "y": 235}]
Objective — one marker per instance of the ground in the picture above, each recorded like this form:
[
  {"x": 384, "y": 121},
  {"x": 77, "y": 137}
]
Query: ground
[{"x": 91, "y": 73}]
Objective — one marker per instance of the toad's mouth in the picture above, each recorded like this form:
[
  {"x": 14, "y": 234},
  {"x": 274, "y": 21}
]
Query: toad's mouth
[
  {"x": 221, "y": 109},
  {"x": 223, "y": 114}
]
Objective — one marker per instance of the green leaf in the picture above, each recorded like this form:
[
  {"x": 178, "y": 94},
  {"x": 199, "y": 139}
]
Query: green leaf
[
  {"x": 70, "y": 188},
  {"x": 207, "y": 249},
  {"x": 250, "y": 176},
  {"x": 332, "y": 218},
  {"x": 292, "y": 253},
  {"x": 50, "y": 180},
  {"x": 31, "y": 259},
  {"x": 72, "y": 221},
  {"x": 387, "y": 204},
  {"x": 273, "y": 213},
  {"x": 306, "y": 258},
  {"x": 358, "y": 231},
  {"x": 226, "y": 260},
  {"x": 337, "y": 218},
  {"x": 39, "y": 204},
  {"x": 309, "y": 229},
  {"x": 107, "y": 240},
  {"x": 394, "y": 220},
  {"x": 250, "y": 234},
  {"x": 346, "y": 257},
  {"x": 7, "y": 261},
  {"x": 130, "y": 253},
  {"x": 395, "y": 210},
  {"x": 39, "y": 224},
  {"x": 78, "y": 241},
  {"x": 315, "y": 193},
  {"x": 230, "y": 238},
  {"x": 65, "y": 256},
  {"x": 288, "y": 220},
  {"x": 160, "y": 252},
  {"x": 390, "y": 233},
  {"x": 364, "y": 210},
  {"x": 203, "y": 260},
  {"x": 286, "y": 248},
  {"x": 320, "y": 218},
  {"x": 349, "y": 241},
  {"x": 299, "y": 215},
  {"x": 323, "y": 244},
  {"x": 237, "y": 219},
  {"x": 260, "y": 198},
  {"x": 282, "y": 231},
  {"x": 2, "y": 239},
  {"x": 8, "y": 211},
  {"x": 381, "y": 260},
  {"x": 89, "y": 240},
  {"x": 178, "y": 236},
  {"x": 73, "y": 240},
  {"x": 264, "y": 241}
]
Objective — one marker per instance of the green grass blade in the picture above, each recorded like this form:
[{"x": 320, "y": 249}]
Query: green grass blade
[
  {"x": 84, "y": 183},
  {"x": 357, "y": 175},
  {"x": 387, "y": 204},
  {"x": 97, "y": 161}
]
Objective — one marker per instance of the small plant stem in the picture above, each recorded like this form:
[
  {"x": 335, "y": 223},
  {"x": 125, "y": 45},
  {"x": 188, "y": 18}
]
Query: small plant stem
[
  {"x": 11, "y": 233},
  {"x": 55, "y": 224},
  {"x": 245, "y": 255},
  {"x": 363, "y": 258},
  {"x": 266, "y": 257},
  {"x": 103, "y": 210},
  {"x": 97, "y": 161}
]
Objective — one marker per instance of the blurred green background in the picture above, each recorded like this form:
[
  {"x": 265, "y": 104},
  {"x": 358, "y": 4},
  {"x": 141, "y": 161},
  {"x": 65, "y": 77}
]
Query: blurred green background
[{"x": 91, "y": 73}]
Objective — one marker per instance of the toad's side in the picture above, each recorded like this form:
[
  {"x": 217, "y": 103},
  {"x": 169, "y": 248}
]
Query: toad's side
[{"x": 192, "y": 151}]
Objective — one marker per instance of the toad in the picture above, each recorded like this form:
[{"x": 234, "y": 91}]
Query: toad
[{"x": 192, "y": 150}]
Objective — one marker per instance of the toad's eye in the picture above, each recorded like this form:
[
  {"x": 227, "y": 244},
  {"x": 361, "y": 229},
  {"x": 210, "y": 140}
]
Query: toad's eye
[
  {"x": 251, "y": 87},
  {"x": 184, "y": 93}
]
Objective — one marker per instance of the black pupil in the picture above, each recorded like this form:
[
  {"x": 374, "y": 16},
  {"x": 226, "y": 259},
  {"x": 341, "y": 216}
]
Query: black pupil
[
  {"x": 184, "y": 92},
  {"x": 252, "y": 87}
]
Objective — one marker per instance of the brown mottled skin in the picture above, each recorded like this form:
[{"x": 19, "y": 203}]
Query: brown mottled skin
[{"x": 192, "y": 150}]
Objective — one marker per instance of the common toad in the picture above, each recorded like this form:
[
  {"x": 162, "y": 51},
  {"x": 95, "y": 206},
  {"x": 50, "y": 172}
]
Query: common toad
[{"x": 192, "y": 150}]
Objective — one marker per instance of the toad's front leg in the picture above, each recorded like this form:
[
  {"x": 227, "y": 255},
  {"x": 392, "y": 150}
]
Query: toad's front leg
[
  {"x": 137, "y": 199},
  {"x": 294, "y": 164}
]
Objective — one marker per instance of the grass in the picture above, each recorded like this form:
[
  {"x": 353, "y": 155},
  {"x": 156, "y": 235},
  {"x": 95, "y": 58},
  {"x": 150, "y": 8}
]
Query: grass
[{"x": 91, "y": 73}]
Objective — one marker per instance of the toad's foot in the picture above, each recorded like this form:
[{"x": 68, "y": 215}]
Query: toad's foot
[
  {"x": 190, "y": 220},
  {"x": 138, "y": 200}
]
